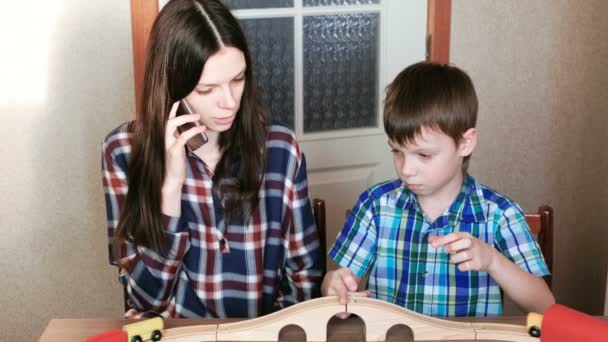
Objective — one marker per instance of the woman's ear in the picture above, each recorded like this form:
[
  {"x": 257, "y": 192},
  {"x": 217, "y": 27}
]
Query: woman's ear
[{"x": 467, "y": 142}]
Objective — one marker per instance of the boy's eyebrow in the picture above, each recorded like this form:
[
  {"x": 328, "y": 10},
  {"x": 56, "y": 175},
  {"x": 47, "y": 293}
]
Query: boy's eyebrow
[{"x": 413, "y": 148}]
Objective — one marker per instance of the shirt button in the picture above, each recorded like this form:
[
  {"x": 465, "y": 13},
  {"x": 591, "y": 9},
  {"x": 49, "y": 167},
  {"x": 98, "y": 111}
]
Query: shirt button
[
  {"x": 424, "y": 274},
  {"x": 224, "y": 246}
]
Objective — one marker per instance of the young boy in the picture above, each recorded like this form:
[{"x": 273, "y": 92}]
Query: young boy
[{"x": 436, "y": 241}]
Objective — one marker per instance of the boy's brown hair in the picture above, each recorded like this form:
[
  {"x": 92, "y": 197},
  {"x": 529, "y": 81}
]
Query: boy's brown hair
[{"x": 426, "y": 94}]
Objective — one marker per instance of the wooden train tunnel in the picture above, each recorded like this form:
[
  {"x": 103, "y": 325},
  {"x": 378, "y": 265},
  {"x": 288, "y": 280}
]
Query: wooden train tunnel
[{"x": 378, "y": 316}]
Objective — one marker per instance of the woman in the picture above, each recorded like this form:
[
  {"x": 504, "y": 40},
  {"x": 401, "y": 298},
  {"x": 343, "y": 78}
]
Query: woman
[{"x": 219, "y": 230}]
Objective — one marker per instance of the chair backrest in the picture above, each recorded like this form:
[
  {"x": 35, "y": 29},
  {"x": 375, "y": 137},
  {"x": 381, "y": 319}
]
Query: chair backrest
[
  {"x": 318, "y": 208},
  {"x": 606, "y": 297},
  {"x": 125, "y": 297},
  {"x": 541, "y": 225}
]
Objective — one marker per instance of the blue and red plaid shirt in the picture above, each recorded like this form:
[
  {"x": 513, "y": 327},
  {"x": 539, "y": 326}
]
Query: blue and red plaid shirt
[{"x": 214, "y": 269}]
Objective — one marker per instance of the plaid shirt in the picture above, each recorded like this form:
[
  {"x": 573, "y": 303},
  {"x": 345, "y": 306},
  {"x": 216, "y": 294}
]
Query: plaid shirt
[
  {"x": 387, "y": 235},
  {"x": 242, "y": 270}
]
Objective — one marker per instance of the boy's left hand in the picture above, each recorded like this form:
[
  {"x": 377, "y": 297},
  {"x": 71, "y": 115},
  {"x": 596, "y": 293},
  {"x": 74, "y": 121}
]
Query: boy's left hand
[{"x": 467, "y": 251}]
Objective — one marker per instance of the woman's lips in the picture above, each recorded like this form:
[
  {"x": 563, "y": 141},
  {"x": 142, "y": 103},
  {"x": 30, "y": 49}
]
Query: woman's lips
[{"x": 224, "y": 121}]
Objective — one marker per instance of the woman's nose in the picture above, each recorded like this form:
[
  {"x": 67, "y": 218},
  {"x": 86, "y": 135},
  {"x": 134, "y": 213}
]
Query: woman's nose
[{"x": 227, "y": 101}]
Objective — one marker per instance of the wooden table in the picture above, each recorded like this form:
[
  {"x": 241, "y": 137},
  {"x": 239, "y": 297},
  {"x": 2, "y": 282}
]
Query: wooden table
[{"x": 67, "y": 330}]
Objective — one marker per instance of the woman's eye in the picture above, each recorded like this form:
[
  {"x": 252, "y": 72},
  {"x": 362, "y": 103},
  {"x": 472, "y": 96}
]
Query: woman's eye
[
  {"x": 238, "y": 79},
  {"x": 203, "y": 91}
]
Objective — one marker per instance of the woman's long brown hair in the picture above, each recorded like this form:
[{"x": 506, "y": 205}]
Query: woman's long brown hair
[{"x": 184, "y": 35}]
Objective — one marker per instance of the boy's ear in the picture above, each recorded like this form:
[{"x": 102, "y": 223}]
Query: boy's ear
[{"x": 468, "y": 142}]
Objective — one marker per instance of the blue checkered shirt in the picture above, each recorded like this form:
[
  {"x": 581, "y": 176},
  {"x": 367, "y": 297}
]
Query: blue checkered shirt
[{"x": 387, "y": 234}]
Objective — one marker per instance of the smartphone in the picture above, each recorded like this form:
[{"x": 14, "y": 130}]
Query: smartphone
[{"x": 198, "y": 140}]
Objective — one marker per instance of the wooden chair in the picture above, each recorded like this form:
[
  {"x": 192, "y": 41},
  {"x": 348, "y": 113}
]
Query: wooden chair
[
  {"x": 541, "y": 225},
  {"x": 125, "y": 298},
  {"x": 318, "y": 208},
  {"x": 606, "y": 297}
]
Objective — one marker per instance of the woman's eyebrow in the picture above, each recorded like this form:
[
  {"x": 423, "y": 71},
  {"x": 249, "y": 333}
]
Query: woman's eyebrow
[{"x": 214, "y": 84}]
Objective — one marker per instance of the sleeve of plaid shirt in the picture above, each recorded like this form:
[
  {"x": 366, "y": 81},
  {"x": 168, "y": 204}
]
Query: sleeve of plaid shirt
[
  {"x": 303, "y": 255},
  {"x": 149, "y": 276},
  {"x": 515, "y": 241},
  {"x": 355, "y": 246}
]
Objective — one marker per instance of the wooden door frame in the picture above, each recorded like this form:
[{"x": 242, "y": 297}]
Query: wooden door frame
[
  {"x": 143, "y": 13},
  {"x": 439, "y": 15}
]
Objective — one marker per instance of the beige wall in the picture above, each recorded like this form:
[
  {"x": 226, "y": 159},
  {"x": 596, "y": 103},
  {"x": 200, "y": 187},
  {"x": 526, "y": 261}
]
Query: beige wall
[
  {"x": 75, "y": 58},
  {"x": 540, "y": 70}
]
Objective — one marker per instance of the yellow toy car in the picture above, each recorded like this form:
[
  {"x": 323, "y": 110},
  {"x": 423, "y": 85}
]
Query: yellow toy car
[
  {"x": 148, "y": 330},
  {"x": 533, "y": 324}
]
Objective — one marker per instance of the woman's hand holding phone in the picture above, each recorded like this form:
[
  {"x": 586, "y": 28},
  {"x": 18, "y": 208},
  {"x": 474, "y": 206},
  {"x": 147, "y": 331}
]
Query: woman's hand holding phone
[
  {"x": 175, "y": 158},
  {"x": 198, "y": 140}
]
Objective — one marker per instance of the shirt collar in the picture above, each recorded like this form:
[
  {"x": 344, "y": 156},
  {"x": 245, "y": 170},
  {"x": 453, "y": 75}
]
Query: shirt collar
[
  {"x": 467, "y": 208},
  {"x": 469, "y": 205}
]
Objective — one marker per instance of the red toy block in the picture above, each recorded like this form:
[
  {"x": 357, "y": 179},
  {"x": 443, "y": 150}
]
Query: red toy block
[{"x": 114, "y": 335}]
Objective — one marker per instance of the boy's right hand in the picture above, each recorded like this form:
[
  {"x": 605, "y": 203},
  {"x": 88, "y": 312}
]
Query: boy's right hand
[{"x": 342, "y": 283}]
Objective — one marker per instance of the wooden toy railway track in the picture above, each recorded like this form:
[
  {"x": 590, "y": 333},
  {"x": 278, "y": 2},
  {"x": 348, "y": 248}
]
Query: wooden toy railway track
[{"x": 379, "y": 316}]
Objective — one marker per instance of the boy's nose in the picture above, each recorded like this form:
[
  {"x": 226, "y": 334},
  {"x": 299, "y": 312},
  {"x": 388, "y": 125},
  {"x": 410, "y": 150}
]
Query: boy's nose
[{"x": 408, "y": 169}]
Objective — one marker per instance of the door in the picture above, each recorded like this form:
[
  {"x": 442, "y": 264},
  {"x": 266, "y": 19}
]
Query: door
[{"x": 322, "y": 66}]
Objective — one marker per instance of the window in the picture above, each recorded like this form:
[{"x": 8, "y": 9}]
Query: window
[{"x": 319, "y": 64}]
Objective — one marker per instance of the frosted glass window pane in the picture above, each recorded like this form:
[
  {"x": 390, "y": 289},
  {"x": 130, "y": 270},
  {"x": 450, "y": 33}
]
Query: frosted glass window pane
[
  {"x": 247, "y": 4},
  {"x": 339, "y": 2},
  {"x": 340, "y": 71},
  {"x": 272, "y": 48}
]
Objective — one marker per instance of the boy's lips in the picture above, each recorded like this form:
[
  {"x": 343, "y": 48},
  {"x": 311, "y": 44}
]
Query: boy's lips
[{"x": 413, "y": 186}]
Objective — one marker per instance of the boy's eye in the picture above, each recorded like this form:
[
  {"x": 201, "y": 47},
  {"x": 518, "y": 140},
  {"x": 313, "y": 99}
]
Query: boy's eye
[
  {"x": 393, "y": 150},
  {"x": 424, "y": 155}
]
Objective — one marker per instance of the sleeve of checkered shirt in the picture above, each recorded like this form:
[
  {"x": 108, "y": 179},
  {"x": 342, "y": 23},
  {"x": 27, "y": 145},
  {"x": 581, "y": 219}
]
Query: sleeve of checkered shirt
[
  {"x": 515, "y": 241},
  {"x": 149, "y": 277},
  {"x": 303, "y": 255},
  {"x": 355, "y": 245}
]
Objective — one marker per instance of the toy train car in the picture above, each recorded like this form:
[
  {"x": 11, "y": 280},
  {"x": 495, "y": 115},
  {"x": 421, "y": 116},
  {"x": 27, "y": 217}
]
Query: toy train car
[
  {"x": 148, "y": 330},
  {"x": 533, "y": 324}
]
